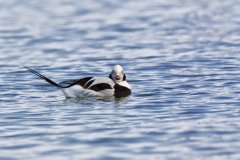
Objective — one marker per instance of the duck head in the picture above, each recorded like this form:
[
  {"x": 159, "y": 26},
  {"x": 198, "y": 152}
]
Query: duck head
[{"x": 117, "y": 74}]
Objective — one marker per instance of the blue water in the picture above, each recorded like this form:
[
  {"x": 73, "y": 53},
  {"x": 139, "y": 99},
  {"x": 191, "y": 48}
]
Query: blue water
[{"x": 181, "y": 57}]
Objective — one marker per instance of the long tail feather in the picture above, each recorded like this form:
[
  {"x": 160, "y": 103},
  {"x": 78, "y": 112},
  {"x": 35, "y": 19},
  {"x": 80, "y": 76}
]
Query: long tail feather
[{"x": 43, "y": 77}]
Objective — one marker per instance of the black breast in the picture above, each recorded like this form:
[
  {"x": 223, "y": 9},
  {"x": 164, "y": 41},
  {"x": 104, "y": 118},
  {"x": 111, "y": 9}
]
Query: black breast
[{"x": 121, "y": 91}]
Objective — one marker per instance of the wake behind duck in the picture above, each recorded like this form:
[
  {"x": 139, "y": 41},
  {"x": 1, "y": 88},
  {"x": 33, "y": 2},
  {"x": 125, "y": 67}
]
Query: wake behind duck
[{"x": 100, "y": 87}]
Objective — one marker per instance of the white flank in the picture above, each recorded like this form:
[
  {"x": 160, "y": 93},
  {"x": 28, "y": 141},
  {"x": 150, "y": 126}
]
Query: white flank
[{"x": 79, "y": 92}]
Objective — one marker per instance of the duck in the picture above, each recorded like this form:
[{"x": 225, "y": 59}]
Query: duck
[{"x": 115, "y": 85}]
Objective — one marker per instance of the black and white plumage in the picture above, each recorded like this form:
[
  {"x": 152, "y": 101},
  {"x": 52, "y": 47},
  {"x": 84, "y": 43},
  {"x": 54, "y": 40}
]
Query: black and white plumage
[{"x": 113, "y": 86}]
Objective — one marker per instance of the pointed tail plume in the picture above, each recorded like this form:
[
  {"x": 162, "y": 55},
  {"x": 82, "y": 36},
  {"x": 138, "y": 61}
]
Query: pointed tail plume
[{"x": 44, "y": 78}]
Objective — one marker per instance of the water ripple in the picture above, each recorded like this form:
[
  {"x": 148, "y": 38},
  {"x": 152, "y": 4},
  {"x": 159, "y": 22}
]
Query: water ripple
[{"x": 181, "y": 58}]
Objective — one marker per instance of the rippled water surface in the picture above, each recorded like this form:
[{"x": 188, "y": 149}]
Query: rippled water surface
[{"x": 181, "y": 57}]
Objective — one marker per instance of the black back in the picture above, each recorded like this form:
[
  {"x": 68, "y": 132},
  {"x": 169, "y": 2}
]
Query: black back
[
  {"x": 100, "y": 87},
  {"x": 84, "y": 82}
]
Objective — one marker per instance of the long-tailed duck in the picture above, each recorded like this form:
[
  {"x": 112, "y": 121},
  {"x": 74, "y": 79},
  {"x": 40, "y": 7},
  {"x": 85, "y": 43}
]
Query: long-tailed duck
[{"x": 113, "y": 86}]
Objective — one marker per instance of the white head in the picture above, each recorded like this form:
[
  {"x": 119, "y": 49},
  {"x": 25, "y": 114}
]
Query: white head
[{"x": 117, "y": 74}]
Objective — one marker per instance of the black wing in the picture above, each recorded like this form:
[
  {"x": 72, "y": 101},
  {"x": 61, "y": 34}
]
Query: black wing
[
  {"x": 100, "y": 87},
  {"x": 84, "y": 82}
]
